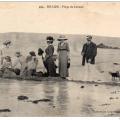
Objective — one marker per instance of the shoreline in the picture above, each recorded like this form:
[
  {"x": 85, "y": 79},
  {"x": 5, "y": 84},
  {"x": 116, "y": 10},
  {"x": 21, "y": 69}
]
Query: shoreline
[{"x": 114, "y": 83}]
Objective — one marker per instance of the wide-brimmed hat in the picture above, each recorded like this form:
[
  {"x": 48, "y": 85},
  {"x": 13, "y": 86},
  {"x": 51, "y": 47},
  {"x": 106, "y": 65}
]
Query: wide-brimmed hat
[
  {"x": 50, "y": 39},
  {"x": 62, "y": 37},
  {"x": 32, "y": 53},
  {"x": 6, "y": 42}
]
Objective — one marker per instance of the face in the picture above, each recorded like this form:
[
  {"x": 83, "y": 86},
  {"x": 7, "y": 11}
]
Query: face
[
  {"x": 62, "y": 41},
  {"x": 88, "y": 40}
]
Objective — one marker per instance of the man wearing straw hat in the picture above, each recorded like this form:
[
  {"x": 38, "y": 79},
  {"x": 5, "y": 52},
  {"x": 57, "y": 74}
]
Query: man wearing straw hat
[{"x": 89, "y": 51}]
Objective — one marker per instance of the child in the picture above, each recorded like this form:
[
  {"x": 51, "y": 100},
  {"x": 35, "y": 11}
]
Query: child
[
  {"x": 7, "y": 67},
  {"x": 32, "y": 62},
  {"x": 40, "y": 69}
]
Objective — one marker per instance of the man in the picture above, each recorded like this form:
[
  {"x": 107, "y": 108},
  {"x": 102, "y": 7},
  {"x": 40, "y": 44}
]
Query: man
[
  {"x": 20, "y": 64},
  {"x": 89, "y": 51}
]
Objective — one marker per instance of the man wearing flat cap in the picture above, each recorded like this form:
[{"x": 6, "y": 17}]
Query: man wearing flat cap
[{"x": 89, "y": 51}]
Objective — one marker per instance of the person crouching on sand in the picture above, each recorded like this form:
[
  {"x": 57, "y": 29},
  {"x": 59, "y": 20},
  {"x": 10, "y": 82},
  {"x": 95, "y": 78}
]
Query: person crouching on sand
[
  {"x": 32, "y": 62},
  {"x": 19, "y": 64},
  {"x": 7, "y": 69}
]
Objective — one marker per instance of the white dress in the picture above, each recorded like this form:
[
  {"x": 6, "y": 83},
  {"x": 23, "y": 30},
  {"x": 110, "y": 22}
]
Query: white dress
[{"x": 40, "y": 66}]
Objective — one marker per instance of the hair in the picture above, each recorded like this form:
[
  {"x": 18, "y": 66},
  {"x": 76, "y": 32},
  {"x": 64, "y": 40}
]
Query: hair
[
  {"x": 50, "y": 38},
  {"x": 32, "y": 53},
  {"x": 40, "y": 51},
  {"x": 8, "y": 58}
]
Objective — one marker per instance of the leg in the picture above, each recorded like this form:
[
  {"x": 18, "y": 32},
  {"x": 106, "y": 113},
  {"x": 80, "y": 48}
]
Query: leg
[
  {"x": 93, "y": 60},
  {"x": 83, "y": 60}
]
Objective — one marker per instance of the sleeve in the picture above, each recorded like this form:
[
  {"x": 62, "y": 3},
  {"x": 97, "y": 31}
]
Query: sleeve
[
  {"x": 84, "y": 48},
  {"x": 95, "y": 47},
  {"x": 67, "y": 46},
  {"x": 58, "y": 47}
]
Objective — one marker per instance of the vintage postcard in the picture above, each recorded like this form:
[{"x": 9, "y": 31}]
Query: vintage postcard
[{"x": 60, "y": 59}]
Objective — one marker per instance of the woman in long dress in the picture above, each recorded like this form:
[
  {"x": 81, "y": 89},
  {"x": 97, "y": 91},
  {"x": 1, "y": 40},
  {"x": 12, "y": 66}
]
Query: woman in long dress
[
  {"x": 48, "y": 60},
  {"x": 63, "y": 52}
]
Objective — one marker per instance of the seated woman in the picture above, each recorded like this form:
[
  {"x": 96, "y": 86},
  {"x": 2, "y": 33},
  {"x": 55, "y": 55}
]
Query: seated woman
[
  {"x": 7, "y": 67},
  {"x": 32, "y": 62}
]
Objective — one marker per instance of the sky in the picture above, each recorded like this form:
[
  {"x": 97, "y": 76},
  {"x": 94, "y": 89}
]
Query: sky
[{"x": 98, "y": 18}]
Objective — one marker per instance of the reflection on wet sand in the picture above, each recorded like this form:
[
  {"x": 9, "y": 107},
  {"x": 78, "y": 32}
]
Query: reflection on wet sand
[{"x": 66, "y": 98}]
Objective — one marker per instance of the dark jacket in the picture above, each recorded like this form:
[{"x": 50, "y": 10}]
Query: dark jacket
[{"x": 89, "y": 50}]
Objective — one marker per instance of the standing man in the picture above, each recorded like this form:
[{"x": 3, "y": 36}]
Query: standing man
[{"x": 89, "y": 51}]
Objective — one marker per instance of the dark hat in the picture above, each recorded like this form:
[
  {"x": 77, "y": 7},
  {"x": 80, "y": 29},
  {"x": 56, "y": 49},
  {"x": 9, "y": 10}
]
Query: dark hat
[
  {"x": 50, "y": 38},
  {"x": 18, "y": 53},
  {"x": 32, "y": 53},
  {"x": 62, "y": 37},
  {"x": 40, "y": 51},
  {"x": 6, "y": 42}
]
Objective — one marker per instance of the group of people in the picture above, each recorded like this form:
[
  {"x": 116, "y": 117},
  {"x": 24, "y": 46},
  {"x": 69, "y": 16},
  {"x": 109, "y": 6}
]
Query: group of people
[
  {"x": 41, "y": 64},
  {"x": 44, "y": 62}
]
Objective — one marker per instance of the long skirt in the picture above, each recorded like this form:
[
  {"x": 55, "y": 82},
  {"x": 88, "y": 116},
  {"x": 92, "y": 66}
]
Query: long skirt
[
  {"x": 63, "y": 60},
  {"x": 50, "y": 66}
]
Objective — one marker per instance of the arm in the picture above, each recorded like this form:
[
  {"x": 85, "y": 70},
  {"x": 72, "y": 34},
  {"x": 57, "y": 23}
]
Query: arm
[
  {"x": 68, "y": 50},
  {"x": 83, "y": 50}
]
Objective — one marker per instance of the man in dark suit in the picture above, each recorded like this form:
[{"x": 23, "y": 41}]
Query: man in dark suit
[{"x": 89, "y": 51}]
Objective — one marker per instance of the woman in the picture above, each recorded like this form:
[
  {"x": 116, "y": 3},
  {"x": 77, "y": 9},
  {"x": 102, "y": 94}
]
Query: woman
[
  {"x": 48, "y": 60},
  {"x": 63, "y": 51},
  {"x": 32, "y": 62},
  {"x": 40, "y": 66}
]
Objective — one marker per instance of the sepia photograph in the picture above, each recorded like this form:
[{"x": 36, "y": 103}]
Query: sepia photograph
[{"x": 59, "y": 59}]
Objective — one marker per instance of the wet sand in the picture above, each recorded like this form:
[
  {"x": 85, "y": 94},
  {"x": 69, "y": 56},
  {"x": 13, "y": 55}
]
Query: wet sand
[{"x": 66, "y": 98}]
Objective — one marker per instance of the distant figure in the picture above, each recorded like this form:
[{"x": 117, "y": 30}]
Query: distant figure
[
  {"x": 5, "y": 50},
  {"x": 20, "y": 64},
  {"x": 89, "y": 51},
  {"x": 63, "y": 52},
  {"x": 7, "y": 67},
  {"x": 48, "y": 60}
]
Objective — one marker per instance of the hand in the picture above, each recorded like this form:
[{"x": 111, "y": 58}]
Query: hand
[{"x": 82, "y": 53}]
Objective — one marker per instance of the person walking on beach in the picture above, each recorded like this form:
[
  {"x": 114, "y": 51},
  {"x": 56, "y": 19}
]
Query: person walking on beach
[
  {"x": 48, "y": 60},
  {"x": 63, "y": 53},
  {"x": 89, "y": 51}
]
